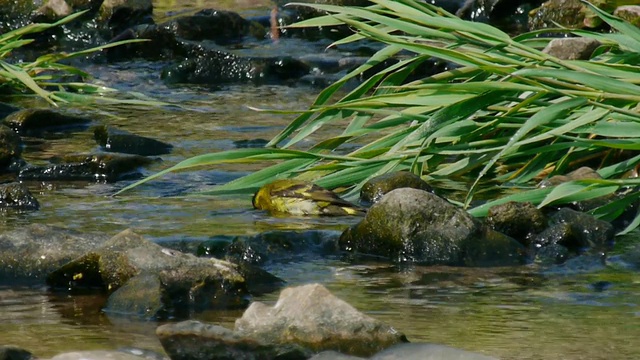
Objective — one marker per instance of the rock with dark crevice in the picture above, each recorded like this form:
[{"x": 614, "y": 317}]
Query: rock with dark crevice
[
  {"x": 34, "y": 122},
  {"x": 312, "y": 317},
  {"x": 32, "y": 252}
]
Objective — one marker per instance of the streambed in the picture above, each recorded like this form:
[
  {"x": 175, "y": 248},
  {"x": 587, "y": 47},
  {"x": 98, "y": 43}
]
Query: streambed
[{"x": 511, "y": 313}]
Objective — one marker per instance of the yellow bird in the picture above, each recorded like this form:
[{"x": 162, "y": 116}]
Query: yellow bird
[{"x": 298, "y": 197}]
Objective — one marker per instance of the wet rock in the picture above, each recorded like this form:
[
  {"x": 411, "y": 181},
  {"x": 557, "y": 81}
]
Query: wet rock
[
  {"x": 98, "y": 355},
  {"x": 572, "y": 48},
  {"x": 183, "y": 36},
  {"x": 34, "y": 122},
  {"x": 10, "y": 146},
  {"x": 521, "y": 221},
  {"x": 630, "y": 13},
  {"x": 630, "y": 259},
  {"x": 121, "y": 141},
  {"x": 18, "y": 197},
  {"x": 53, "y": 10},
  {"x": 415, "y": 226},
  {"x": 193, "y": 340},
  {"x": 373, "y": 189},
  {"x": 583, "y": 264},
  {"x": 8, "y": 352},
  {"x": 272, "y": 246},
  {"x": 220, "y": 26},
  {"x": 288, "y": 14},
  {"x": 311, "y": 316},
  {"x": 552, "y": 254},
  {"x": 578, "y": 174},
  {"x": 251, "y": 143},
  {"x": 583, "y": 173},
  {"x": 218, "y": 67},
  {"x": 188, "y": 283},
  {"x": 119, "y": 15},
  {"x": 494, "y": 249},
  {"x": 140, "y": 296},
  {"x": 423, "y": 351},
  {"x": 509, "y": 15},
  {"x": 32, "y": 252},
  {"x": 576, "y": 231},
  {"x": 97, "y": 167},
  {"x": 6, "y": 109},
  {"x": 15, "y": 14},
  {"x": 162, "y": 44}
]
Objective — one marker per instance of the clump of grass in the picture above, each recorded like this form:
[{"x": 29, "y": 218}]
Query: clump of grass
[
  {"x": 45, "y": 76},
  {"x": 506, "y": 114}
]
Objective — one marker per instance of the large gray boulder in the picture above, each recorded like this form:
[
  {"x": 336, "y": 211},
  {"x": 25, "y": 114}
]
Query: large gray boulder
[
  {"x": 175, "y": 283},
  {"x": 311, "y": 316},
  {"x": 415, "y": 226}
]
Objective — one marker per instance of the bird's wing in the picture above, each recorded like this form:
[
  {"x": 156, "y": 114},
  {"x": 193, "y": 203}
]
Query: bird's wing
[{"x": 312, "y": 192}]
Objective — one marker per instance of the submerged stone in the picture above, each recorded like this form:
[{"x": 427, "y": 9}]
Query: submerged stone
[
  {"x": 99, "y": 355},
  {"x": 273, "y": 246},
  {"x": 96, "y": 167},
  {"x": 10, "y": 146},
  {"x": 121, "y": 141},
  {"x": 18, "y": 197},
  {"x": 334, "y": 355},
  {"x": 216, "y": 67},
  {"x": 36, "y": 121},
  {"x": 181, "y": 283},
  {"x": 410, "y": 225}
]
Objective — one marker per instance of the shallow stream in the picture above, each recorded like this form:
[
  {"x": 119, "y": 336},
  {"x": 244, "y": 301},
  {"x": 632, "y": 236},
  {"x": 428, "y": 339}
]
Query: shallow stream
[{"x": 511, "y": 313}]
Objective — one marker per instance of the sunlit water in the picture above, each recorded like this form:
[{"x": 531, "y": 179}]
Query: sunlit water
[{"x": 510, "y": 313}]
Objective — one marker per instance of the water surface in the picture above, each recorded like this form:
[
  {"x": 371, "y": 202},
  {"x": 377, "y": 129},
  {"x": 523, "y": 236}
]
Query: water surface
[{"x": 512, "y": 313}]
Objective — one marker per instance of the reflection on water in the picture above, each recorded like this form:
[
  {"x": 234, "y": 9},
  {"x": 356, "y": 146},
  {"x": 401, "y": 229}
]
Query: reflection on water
[{"x": 510, "y": 313}]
